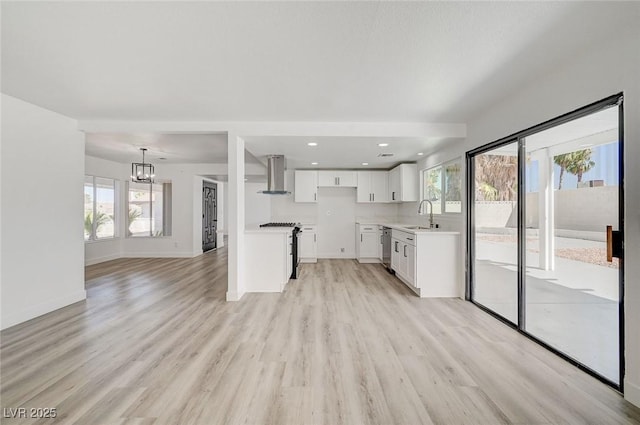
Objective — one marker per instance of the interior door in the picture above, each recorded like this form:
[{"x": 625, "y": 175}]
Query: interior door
[{"x": 209, "y": 216}]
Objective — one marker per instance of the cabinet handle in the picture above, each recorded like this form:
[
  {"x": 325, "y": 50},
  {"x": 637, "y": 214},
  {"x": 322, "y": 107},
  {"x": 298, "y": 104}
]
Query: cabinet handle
[
  {"x": 314, "y": 237},
  {"x": 395, "y": 246},
  {"x": 360, "y": 237},
  {"x": 338, "y": 181},
  {"x": 369, "y": 197},
  {"x": 373, "y": 197},
  {"x": 315, "y": 196},
  {"x": 405, "y": 250},
  {"x": 393, "y": 196},
  {"x": 409, "y": 239}
]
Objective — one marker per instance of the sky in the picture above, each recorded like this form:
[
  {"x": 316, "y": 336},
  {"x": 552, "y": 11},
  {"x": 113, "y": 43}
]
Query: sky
[{"x": 606, "y": 168}]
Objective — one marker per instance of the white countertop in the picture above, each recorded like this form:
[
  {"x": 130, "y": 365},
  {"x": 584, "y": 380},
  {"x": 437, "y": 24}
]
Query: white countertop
[
  {"x": 405, "y": 227},
  {"x": 256, "y": 229}
]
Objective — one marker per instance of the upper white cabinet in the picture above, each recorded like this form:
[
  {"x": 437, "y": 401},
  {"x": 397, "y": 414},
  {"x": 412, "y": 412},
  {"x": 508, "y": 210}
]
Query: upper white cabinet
[
  {"x": 337, "y": 178},
  {"x": 373, "y": 186},
  {"x": 403, "y": 183},
  {"x": 306, "y": 186}
]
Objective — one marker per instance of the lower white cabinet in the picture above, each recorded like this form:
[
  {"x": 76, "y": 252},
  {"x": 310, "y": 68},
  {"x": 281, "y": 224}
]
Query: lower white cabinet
[
  {"x": 404, "y": 250},
  {"x": 308, "y": 244},
  {"x": 427, "y": 262},
  {"x": 289, "y": 255},
  {"x": 367, "y": 242},
  {"x": 380, "y": 229}
]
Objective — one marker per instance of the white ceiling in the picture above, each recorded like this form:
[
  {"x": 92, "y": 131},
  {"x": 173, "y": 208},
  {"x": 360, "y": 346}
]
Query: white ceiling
[
  {"x": 289, "y": 61},
  {"x": 341, "y": 152},
  {"x": 286, "y": 61},
  {"x": 175, "y": 148}
]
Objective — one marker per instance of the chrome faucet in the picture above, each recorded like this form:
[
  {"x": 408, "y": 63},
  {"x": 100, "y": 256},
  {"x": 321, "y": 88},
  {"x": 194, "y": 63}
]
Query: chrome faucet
[{"x": 430, "y": 211}]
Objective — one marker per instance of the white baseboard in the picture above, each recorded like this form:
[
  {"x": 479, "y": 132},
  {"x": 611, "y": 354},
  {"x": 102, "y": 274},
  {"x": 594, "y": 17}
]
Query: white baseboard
[
  {"x": 632, "y": 392},
  {"x": 98, "y": 260},
  {"x": 334, "y": 256},
  {"x": 34, "y": 311},
  {"x": 139, "y": 254},
  {"x": 234, "y": 296},
  {"x": 369, "y": 260},
  {"x": 308, "y": 260}
]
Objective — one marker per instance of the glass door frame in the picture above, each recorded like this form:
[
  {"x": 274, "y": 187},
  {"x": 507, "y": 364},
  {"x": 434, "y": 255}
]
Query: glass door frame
[{"x": 519, "y": 138}]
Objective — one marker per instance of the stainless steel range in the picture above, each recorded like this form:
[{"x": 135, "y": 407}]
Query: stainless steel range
[{"x": 294, "y": 244}]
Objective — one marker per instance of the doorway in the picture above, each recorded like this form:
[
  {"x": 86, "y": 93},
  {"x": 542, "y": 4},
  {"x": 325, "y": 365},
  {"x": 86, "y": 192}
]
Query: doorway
[
  {"x": 209, "y": 216},
  {"x": 545, "y": 227}
]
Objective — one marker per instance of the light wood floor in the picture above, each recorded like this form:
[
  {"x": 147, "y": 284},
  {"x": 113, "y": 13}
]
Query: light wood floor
[{"x": 155, "y": 343}]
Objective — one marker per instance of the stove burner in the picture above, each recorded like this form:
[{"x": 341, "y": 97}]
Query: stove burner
[{"x": 278, "y": 225}]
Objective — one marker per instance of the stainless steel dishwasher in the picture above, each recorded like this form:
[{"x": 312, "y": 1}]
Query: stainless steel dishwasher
[{"x": 386, "y": 248}]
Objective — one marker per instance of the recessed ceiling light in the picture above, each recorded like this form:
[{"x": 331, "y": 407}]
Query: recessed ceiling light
[
  {"x": 365, "y": 163},
  {"x": 420, "y": 154},
  {"x": 312, "y": 144},
  {"x": 314, "y": 163},
  {"x": 382, "y": 145}
]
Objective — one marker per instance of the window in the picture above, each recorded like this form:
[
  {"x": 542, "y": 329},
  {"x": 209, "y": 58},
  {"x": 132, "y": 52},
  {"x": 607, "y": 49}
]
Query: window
[
  {"x": 149, "y": 207},
  {"x": 442, "y": 185},
  {"x": 99, "y": 208},
  {"x": 453, "y": 187},
  {"x": 433, "y": 188}
]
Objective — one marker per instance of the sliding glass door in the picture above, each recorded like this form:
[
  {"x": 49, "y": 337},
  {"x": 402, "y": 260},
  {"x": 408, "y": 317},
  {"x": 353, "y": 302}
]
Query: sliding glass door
[
  {"x": 572, "y": 291},
  {"x": 545, "y": 226},
  {"x": 495, "y": 207}
]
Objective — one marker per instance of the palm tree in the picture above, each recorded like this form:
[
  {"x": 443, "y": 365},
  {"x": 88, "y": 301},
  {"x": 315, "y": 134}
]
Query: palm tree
[
  {"x": 134, "y": 214},
  {"x": 433, "y": 185},
  {"x": 580, "y": 163},
  {"x": 496, "y": 177},
  {"x": 101, "y": 220},
  {"x": 562, "y": 161}
]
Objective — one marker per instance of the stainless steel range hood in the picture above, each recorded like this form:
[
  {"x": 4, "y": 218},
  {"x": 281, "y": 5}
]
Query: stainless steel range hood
[{"x": 275, "y": 176}]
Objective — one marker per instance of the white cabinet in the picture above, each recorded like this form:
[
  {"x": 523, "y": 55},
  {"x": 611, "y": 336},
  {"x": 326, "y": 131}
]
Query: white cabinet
[
  {"x": 403, "y": 183},
  {"x": 395, "y": 254},
  {"x": 373, "y": 186},
  {"x": 308, "y": 244},
  {"x": 380, "y": 230},
  {"x": 404, "y": 250},
  {"x": 289, "y": 256},
  {"x": 337, "y": 178},
  {"x": 367, "y": 241},
  {"x": 427, "y": 262},
  {"x": 306, "y": 186}
]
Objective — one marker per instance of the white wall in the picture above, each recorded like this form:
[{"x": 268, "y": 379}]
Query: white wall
[
  {"x": 335, "y": 213},
  {"x": 605, "y": 69},
  {"x": 257, "y": 205},
  {"x": 42, "y": 185}
]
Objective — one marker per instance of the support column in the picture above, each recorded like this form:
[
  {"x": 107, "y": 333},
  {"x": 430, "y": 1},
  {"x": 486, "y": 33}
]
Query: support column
[
  {"x": 546, "y": 211},
  {"x": 235, "y": 217}
]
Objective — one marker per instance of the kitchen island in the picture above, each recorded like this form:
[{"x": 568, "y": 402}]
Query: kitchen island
[{"x": 268, "y": 258}]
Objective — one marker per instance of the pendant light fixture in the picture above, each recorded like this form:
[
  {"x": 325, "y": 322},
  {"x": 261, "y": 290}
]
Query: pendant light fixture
[{"x": 142, "y": 172}]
